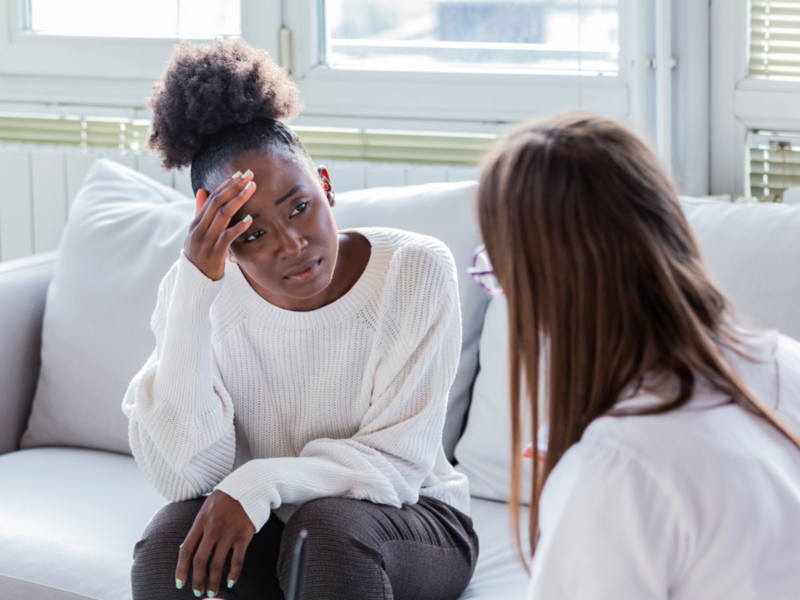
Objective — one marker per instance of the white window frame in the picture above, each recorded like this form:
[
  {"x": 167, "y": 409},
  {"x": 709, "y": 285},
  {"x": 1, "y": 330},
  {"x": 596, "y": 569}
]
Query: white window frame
[
  {"x": 78, "y": 70},
  {"x": 741, "y": 102},
  {"x": 353, "y": 95},
  {"x": 116, "y": 75}
]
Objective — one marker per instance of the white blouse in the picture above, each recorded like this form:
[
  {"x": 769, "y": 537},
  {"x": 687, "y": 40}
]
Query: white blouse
[{"x": 701, "y": 503}]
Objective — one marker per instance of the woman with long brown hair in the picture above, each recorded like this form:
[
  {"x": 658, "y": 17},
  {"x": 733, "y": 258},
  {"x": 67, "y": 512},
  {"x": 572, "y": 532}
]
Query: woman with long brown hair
[{"x": 672, "y": 468}]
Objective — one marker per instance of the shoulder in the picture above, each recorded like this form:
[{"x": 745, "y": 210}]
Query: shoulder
[
  {"x": 422, "y": 264},
  {"x": 419, "y": 286},
  {"x": 605, "y": 514}
]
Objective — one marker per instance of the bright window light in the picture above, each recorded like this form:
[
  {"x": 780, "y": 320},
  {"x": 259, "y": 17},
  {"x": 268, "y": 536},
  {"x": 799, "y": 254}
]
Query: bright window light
[
  {"x": 136, "y": 18},
  {"x": 533, "y": 36}
]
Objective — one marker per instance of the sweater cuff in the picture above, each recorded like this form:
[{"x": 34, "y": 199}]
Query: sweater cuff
[
  {"x": 240, "y": 485},
  {"x": 193, "y": 283}
]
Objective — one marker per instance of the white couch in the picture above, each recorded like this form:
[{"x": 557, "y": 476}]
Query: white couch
[{"x": 72, "y": 500}]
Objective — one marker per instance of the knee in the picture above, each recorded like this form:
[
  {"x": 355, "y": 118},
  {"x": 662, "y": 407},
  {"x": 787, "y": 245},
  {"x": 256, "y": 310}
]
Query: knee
[
  {"x": 173, "y": 519},
  {"x": 333, "y": 535},
  {"x": 325, "y": 518},
  {"x": 164, "y": 534}
]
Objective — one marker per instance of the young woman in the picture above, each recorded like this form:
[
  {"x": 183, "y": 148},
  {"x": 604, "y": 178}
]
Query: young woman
[
  {"x": 670, "y": 470},
  {"x": 300, "y": 375}
]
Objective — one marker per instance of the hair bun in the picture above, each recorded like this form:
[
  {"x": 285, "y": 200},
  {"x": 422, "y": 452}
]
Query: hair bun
[{"x": 208, "y": 87}]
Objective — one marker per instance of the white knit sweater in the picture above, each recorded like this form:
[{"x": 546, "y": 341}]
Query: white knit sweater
[{"x": 277, "y": 408}]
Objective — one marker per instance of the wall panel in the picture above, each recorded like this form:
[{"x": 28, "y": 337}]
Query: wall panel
[
  {"x": 49, "y": 197},
  {"x": 16, "y": 215}
]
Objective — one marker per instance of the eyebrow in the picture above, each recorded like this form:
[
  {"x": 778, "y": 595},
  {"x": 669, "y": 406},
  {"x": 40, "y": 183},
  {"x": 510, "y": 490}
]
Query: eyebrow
[
  {"x": 283, "y": 198},
  {"x": 289, "y": 195}
]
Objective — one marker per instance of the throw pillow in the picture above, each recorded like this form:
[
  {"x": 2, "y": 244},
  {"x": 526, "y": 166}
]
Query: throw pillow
[{"x": 123, "y": 234}]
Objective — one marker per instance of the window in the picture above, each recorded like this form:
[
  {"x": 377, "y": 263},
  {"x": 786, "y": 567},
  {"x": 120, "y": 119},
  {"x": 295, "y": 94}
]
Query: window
[
  {"x": 553, "y": 36},
  {"x": 459, "y": 61},
  {"x": 775, "y": 38},
  {"x": 436, "y": 65},
  {"x": 135, "y": 18},
  {"x": 774, "y": 164},
  {"x": 107, "y": 53},
  {"x": 755, "y": 94}
]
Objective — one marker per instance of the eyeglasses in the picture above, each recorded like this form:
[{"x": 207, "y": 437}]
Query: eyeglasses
[{"x": 482, "y": 272}]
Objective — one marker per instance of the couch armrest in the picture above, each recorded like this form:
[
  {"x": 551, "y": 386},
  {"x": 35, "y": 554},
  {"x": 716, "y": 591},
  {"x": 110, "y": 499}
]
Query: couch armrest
[{"x": 23, "y": 288}]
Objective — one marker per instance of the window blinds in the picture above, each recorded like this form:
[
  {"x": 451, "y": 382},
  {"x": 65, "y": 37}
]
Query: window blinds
[
  {"x": 774, "y": 167},
  {"x": 338, "y": 143},
  {"x": 775, "y": 38}
]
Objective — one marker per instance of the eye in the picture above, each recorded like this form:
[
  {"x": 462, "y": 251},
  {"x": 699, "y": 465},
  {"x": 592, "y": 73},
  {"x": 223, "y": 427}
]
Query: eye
[
  {"x": 253, "y": 236},
  {"x": 300, "y": 208}
]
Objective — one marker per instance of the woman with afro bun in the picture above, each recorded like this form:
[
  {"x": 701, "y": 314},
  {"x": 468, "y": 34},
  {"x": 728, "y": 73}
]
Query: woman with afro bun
[{"x": 301, "y": 374}]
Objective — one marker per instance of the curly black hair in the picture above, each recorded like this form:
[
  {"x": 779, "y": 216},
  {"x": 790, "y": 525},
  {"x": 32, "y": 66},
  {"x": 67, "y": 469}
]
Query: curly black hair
[{"x": 217, "y": 101}]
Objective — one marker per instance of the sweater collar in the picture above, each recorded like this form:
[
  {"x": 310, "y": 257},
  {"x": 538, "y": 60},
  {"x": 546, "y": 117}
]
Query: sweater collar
[{"x": 367, "y": 286}]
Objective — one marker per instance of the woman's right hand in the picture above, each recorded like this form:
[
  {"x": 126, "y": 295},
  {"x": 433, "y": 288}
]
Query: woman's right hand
[{"x": 209, "y": 237}]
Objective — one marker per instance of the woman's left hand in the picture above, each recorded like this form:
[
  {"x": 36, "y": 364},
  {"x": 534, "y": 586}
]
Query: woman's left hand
[{"x": 221, "y": 525}]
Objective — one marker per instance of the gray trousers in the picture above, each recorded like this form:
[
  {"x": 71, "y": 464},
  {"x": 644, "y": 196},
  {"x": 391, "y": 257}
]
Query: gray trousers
[{"x": 356, "y": 549}]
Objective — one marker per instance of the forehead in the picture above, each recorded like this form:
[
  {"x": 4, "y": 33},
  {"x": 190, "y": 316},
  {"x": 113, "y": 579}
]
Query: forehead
[{"x": 274, "y": 176}]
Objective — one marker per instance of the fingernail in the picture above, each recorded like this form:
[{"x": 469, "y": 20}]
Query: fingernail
[
  {"x": 230, "y": 583},
  {"x": 249, "y": 185},
  {"x": 178, "y": 584},
  {"x": 198, "y": 593},
  {"x": 246, "y": 173},
  {"x": 210, "y": 594},
  {"x": 247, "y": 219},
  {"x": 237, "y": 175}
]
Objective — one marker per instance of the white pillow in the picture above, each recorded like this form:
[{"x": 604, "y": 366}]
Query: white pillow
[
  {"x": 751, "y": 250},
  {"x": 446, "y": 211},
  {"x": 123, "y": 233},
  {"x": 484, "y": 451}
]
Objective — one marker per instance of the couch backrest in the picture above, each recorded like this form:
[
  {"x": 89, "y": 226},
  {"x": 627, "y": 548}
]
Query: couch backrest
[
  {"x": 125, "y": 231},
  {"x": 23, "y": 287}
]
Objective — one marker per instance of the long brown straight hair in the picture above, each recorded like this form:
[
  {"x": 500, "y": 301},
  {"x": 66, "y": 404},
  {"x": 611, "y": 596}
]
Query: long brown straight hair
[{"x": 595, "y": 256}]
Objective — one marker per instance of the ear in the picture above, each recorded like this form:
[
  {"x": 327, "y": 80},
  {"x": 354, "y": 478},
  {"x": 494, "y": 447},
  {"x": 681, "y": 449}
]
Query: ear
[
  {"x": 325, "y": 180},
  {"x": 201, "y": 198}
]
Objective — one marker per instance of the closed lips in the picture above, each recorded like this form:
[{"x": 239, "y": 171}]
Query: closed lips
[{"x": 304, "y": 267}]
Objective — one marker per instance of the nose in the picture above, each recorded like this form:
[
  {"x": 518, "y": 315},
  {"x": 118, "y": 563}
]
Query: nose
[{"x": 289, "y": 243}]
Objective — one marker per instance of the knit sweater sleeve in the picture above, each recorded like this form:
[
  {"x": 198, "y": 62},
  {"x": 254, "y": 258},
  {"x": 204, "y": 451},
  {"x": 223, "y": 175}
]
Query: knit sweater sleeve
[
  {"x": 395, "y": 448},
  {"x": 180, "y": 415}
]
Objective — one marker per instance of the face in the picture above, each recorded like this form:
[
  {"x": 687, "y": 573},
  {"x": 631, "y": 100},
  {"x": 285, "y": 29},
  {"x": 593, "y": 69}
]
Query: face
[{"x": 289, "y": 252}]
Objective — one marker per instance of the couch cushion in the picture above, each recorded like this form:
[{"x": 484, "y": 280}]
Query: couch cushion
[
  {"x": 483, "y": 451},
  {"x": 123, "y": 234},
  {"x": 499, "y": 573},
  {"x": 750, "y": 249},
  {"x": 70, "y": 519}
]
